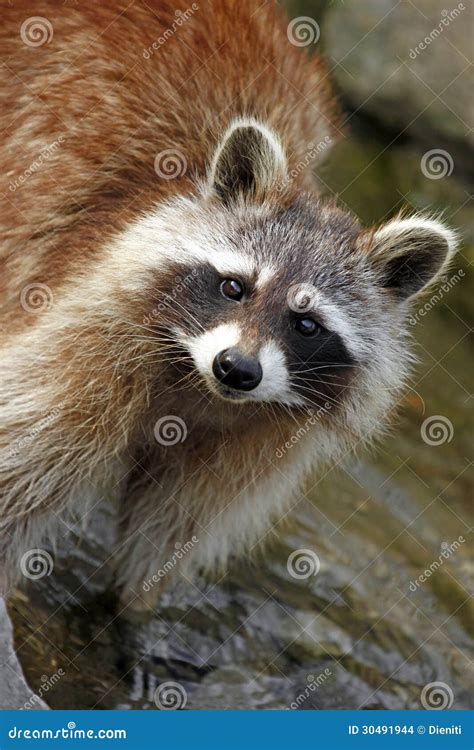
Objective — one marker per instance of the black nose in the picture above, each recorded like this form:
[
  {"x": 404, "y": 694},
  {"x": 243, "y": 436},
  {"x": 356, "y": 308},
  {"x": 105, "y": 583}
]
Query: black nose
[{"x": 237, "y": 370}]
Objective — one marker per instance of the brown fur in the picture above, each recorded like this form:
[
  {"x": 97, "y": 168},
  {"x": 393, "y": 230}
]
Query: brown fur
[
  {"x": 89, "y": 363},
  {"x": 117, "y": 110}
]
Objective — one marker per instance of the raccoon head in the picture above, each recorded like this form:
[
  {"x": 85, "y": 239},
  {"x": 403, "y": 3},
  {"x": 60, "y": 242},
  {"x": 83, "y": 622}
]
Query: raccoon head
[{"x": 273, "y": 295}]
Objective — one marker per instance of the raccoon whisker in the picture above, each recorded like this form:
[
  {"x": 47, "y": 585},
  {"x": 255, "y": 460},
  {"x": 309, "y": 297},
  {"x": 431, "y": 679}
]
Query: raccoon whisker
[
  {"x": 201, "y": 412},
  {"x": 329, "y": 379},
  {"x": 173, "y": 385},
  {"x": 335, "y": 401},
  {"x": 350, "y": 386},
  {"x": 133, "y": 324},
  {"x": 301, "y": 381},
  {"x": 142, "y": 356},
  {"x": 305, "y": 373},
  {"x": 133, "y": 347},
  {"x": 287, "y": 409},
  {"x": 150, "y": 363},
  {"x": 167, "y": 356},
  {"x": 158, "y": 344},
  {"x": 154, "y": 362},
  {"x": 158, "y": 335},
  {"x": 271, "y": 408},
  {"x": 168, "y": 301},
  {"x": 138, "y": 337},
  {"x": 329, "y": 365}
]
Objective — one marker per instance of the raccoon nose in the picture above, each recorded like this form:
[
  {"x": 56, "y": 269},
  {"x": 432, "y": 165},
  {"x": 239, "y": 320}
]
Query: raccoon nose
[{"x": 237, "y": 370}]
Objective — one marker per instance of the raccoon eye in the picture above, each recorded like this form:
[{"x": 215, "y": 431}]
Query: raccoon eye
[
  {"x": 307, "y": 326},
  {"x": 232, "y": 289}
]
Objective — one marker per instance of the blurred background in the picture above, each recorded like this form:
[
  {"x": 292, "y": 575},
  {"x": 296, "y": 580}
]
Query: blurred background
[{"x": 385, "y": 621}]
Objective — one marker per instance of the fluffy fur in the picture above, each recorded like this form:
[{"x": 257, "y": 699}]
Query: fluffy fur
[{"x": 121, "y": 331}]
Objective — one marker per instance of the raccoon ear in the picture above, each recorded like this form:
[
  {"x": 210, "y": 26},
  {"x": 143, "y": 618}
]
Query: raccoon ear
[
  {"x": 410, "y": 253},
  {"x": 249, "y": 161}
]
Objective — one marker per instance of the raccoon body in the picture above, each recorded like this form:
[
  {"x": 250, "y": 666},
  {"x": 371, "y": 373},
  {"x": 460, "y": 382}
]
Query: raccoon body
[{"x": 186, "y": 325}]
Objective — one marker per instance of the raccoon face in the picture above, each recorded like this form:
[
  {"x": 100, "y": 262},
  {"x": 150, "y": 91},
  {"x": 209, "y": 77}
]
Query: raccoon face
[{"x": 282, "y": 298}]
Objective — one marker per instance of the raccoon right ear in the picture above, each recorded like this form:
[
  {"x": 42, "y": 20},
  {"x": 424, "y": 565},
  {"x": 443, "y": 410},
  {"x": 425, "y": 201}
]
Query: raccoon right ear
[
  {"x": 409, "y": 253},
  {"x": 248, "y": 162}
]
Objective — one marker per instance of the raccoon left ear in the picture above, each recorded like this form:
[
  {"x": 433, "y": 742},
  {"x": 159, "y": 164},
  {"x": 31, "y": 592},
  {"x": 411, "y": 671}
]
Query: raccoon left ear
[
  {"x": 410, "y": 253},
  {"x": 249, "y": 161}
]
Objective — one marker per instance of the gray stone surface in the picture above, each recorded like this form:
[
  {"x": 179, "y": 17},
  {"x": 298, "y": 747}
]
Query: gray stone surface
[
  {"x": 405, "y": 64},
  {"x": 14, "y": 691}
]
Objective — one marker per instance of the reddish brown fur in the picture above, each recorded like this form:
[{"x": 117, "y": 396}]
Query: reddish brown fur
[
  {"x": 116, "y": 111},
  {"x": 83, "y": 361}
]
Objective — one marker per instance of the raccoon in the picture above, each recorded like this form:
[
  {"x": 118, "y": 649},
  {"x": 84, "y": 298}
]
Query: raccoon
[{"x": 178, "y": 302}]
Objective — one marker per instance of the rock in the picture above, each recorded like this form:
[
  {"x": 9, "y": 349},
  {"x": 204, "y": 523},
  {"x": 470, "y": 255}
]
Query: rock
[
  {"x": 14, "y": 691},
  {"x": 404, "y": 64}
]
